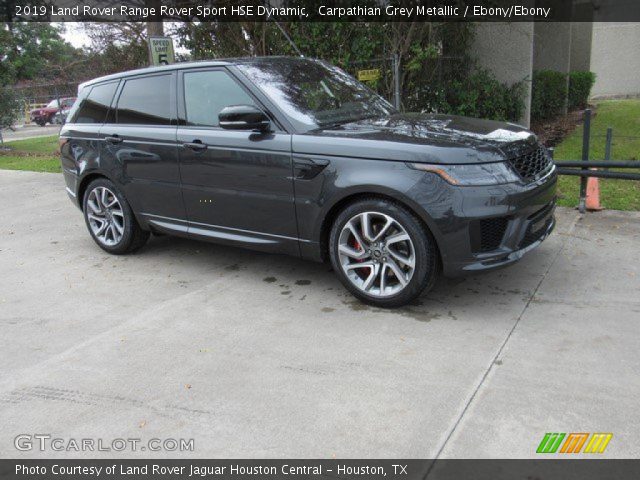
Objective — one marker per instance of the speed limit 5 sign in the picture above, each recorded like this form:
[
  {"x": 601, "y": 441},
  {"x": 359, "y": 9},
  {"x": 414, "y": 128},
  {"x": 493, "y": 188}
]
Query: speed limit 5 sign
[{"x": 161, "y": 50}]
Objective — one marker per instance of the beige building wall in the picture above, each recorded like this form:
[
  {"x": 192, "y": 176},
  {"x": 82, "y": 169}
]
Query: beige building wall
[
  {"x": 615, "y": 58},
  {"x": 581, "y": 33},
  {"x": 507, "y": 50}
]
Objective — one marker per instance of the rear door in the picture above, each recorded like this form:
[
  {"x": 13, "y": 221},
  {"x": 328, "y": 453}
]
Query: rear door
[
  {"x": 140, "y": 146},
  {"x": 237, "y": 185}
]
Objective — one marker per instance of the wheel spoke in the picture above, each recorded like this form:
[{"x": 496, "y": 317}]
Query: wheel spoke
[
  {"x": 355, "y": 233},
  {"x": 352, "y": 253},
  {"x": 397, "y": 271},
  {"x": 119, "y": 228},
  {"x": 368, "y": 283},
  {"x": 117, "y": 213},
  {"x": 408, "y": 261},
  {"x": 398, "y": 237},
  {"x": 354, "y": 266},
  {"x": 104, "y": 196},
  {"x": 386, "y": 227},
  {"x": 365, "y": 222},
  {"x": 94, "y": 206},
  {"x": 383, "y": 280}
]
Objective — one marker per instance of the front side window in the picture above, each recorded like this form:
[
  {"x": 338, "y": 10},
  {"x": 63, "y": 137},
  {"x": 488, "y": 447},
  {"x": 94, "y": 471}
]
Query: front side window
[
  {"x": 314, "y": 94},
  {"x": 206, "y": 93},
  {"x": 95, "y": 105},
  {"x": 145, "y": 101}
]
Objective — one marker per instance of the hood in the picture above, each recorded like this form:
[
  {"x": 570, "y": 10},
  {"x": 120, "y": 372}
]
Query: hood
[{"x": 425, "y": 138}]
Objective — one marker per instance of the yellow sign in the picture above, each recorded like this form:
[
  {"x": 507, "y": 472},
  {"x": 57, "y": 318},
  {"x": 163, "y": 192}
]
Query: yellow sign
[
  {"x": 161, "y": 49},
  {"x": 369, "y": 75}
]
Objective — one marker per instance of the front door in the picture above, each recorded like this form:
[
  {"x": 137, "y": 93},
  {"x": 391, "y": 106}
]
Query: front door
[{"x": 237, "y": 185}]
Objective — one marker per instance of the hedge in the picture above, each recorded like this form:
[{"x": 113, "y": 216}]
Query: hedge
[
  {"x": 481, "y": 95},
  {"x": 580, "y": 84},
  {"x": 548, "y": 94}
]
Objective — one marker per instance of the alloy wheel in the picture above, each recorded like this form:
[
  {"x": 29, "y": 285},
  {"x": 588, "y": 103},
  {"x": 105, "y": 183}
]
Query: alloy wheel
[
  {"x": 376, "y": 254},
  {"x": 105, "y": 216}
]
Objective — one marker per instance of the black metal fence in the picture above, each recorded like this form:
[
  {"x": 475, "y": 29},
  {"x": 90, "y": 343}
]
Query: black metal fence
[{"x": 586, "y": 167}]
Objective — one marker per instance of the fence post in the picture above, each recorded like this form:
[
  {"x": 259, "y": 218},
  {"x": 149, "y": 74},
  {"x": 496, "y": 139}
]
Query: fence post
[
  {"x": 607, "y": 146},
  {"x": 586, "y": 135},
  {"x": 396, "y": 80}
]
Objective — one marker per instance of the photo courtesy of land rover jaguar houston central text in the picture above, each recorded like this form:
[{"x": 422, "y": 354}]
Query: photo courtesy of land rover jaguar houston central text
[{"x": 292, "y": 155}]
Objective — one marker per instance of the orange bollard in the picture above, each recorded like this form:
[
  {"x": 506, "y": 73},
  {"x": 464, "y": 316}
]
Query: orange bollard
[{"x": 593, "y": 195}]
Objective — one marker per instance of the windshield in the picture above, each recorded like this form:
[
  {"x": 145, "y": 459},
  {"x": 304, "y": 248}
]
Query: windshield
[
  {"x": 314, "y": 94},
  {"x": 52, "y": 104}
]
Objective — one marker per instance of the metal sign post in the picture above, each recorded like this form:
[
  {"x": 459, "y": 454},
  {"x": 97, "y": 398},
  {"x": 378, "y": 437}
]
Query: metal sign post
[{"x": 161, "y": 51}]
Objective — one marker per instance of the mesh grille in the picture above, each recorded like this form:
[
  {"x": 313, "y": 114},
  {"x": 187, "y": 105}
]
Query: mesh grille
[
  {"x": 532, "y": 165},
  {"x": 491, "y": 233}
]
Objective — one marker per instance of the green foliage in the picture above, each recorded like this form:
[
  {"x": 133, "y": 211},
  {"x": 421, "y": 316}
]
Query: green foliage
[
  {"x": 10, "y": 107},
  {"x": 33, "y": 51},
  {"x": 481, "y": 95},
  {"x": 580, "y": 84},
  {"x": 548, "y": 95}
]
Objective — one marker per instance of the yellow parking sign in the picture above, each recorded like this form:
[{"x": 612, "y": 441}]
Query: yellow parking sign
[
  {"x": 369, "y": 75},
  {"x": 161, "y": 50}
]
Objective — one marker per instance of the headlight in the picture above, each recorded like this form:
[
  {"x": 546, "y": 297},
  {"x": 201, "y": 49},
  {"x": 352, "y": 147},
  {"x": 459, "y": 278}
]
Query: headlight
[{"x": 471, "y": 174}]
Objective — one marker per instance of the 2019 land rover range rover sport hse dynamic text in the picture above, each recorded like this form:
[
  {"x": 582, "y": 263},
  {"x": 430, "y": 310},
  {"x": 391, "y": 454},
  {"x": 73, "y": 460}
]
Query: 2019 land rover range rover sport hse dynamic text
[{"x": 292, "y": 155}]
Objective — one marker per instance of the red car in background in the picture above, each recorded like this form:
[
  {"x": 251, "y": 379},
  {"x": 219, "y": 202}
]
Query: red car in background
[{"x": 45, "y": 115}]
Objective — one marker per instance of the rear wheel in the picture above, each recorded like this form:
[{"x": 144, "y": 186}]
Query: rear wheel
[
  {"x": 382, "y": 253},
  {"x": 110, "y": 220}
]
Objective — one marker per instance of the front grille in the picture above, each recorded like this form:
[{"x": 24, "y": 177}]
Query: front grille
[
  {"x": 531, "y": 237},
  {"x": 532, "y": 165},
  {"x": 491, "y": 233}
]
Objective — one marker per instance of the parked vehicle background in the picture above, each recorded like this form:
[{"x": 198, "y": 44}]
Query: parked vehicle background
[{"x": 44, "y": 115}]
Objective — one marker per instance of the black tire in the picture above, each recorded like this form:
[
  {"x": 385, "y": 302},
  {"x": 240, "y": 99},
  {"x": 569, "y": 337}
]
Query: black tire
[
  {"x": 41, "y": 122},
  {"x": 133, "y": 236},
  {"x": 426, "y": 253}
]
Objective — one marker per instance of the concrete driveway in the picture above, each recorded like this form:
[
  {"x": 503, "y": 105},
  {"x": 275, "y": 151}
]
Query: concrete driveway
[{"x": 255, "y": 355}]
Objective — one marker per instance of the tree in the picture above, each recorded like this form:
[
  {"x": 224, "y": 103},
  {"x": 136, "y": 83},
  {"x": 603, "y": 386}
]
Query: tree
[{"x": 9, "y": 109}]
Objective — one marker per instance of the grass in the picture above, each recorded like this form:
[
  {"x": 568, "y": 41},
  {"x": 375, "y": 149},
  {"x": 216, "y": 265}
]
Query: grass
[
  {"x": 623, "y": 116},
  {"x": 33, "y": 154}
]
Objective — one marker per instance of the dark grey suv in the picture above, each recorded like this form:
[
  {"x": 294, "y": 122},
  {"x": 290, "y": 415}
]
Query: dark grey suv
[{"x": 294, "y": 156}]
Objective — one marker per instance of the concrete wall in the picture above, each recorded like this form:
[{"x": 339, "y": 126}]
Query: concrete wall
[
  {"x": 615, "y": 58},
  {"x": 581, "y": 45},
  {"x": 507, "y": 50},
  {"x": 552, "y": 46}
]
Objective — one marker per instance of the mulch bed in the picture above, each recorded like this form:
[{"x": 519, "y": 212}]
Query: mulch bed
[{"x": 552, "y": 132}]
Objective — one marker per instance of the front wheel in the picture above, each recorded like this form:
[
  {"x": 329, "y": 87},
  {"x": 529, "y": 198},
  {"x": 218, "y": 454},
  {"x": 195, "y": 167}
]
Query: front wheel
[
  {"x": 110, "y": 220},
  {"x": 382, "y": 253}
]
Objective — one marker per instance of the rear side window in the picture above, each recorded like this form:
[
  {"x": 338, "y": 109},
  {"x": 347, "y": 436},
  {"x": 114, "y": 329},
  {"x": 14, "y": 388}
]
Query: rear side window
[
  {"x": 95, "y": 106},
  {"x": 145, "y": 101},
  {"x": 206, "y": 93}
]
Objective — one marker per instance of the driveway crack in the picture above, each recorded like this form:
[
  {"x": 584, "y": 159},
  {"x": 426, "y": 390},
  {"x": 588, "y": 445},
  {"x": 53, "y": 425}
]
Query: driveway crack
[{"x": 495, "y": 358}]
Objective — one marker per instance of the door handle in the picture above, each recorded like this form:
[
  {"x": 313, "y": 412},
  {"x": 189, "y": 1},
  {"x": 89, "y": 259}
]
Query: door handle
[
  {"x": 196, "y": 145},
  {"x": 113, "y": 139},
  {"x": 307, "y": 168}
]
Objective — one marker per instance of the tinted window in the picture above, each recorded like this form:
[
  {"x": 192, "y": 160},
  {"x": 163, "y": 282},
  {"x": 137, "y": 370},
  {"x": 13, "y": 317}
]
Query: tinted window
[
  {"x": 315, "y": 94},
  {"x": 206, "y": 93},
  {"x": 95, "y": 105},
  {"x": 145, "y": 100}
]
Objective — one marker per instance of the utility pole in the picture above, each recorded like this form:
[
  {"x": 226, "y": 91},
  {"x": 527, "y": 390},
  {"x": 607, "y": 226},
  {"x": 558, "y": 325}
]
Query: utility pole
[{"x": 154, "y": 29}]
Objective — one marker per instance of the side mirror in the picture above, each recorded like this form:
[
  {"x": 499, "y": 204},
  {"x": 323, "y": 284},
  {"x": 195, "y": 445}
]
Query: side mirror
[{"x": 243, "y": 117}]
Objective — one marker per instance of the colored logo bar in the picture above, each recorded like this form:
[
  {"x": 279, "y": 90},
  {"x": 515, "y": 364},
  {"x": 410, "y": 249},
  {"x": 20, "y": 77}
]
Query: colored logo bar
[{"x": 573, "y": 442}]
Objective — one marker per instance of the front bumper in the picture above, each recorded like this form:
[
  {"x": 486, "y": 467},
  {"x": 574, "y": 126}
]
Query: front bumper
[{"x": 484, "y": 228}]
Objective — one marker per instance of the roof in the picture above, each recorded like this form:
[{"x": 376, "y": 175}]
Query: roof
[{"x": 183, "y": 65}]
